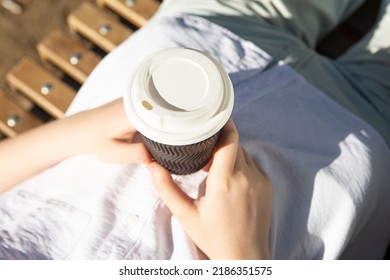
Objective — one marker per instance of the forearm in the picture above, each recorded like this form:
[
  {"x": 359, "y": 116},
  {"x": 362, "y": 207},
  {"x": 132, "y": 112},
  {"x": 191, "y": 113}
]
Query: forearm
[
  {"x": 104, "y": 132},
  {"x": 38, "y": 149}
]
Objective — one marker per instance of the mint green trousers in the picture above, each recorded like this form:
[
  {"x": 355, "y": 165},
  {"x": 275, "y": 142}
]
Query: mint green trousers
[{"x": 289, "y": 30}]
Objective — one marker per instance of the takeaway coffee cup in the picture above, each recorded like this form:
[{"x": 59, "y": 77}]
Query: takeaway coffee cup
[{"x": 179, "y": 99}]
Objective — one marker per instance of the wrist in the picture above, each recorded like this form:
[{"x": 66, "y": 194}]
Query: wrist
[
  {"x": 244, "y": 252},
  {"x": 77, "y": 133}
]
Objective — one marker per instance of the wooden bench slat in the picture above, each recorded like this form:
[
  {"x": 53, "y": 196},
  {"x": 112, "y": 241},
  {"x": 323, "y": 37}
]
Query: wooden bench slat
[
  {"x": 100, "y": 27},
  {"x": 13, "y": 119},
  {"x": 138, "y": 12},
  {"x": 68, "y": 54},
  {"x": 45, "y": 89}
]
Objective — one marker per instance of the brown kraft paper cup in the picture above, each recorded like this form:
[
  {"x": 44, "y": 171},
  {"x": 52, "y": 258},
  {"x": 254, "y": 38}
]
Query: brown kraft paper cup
[
  {"x": 179, "y": 99},
  {"x": 182, "y": 160}
]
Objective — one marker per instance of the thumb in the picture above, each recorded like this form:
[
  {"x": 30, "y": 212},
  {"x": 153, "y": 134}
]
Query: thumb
[{"x": 181, "y": 205}]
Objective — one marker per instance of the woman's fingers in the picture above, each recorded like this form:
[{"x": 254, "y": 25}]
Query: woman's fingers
[
  {"x": 180, "y": 204},
  {"x": 226, "y": 153},
  {"x": 232, "y": 219}
]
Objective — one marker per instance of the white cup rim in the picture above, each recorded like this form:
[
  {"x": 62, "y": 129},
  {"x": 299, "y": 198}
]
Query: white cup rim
[{"x": 179, "y": 96}]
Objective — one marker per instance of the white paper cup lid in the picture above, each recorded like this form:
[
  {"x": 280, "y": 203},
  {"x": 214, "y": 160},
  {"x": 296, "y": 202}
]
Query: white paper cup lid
[{"x": 179, "y": 97}]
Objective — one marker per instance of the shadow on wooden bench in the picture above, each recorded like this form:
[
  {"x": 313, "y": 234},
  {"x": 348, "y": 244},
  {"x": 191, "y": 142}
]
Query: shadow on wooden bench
[{"x": 43, "y": 90}]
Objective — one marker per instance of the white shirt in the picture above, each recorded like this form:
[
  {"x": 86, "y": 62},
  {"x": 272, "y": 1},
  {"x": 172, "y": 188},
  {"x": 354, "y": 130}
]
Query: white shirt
[{"x": 329, "y": 169}]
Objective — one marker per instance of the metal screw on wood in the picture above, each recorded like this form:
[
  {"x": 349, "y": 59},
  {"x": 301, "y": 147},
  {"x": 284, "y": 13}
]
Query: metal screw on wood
[
  {"x": 104, "y": 29},
  {"x": 13, "y": 120},
  {"x": 75, "y": 59},
  {"x": 130, "y": 3},
  {"x": 12, "y": 6},
  {"x": 15, "y": 6},
  {"x": 46, "y": 88}
]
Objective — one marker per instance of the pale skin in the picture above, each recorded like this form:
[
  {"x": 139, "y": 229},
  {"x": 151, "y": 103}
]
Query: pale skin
[{"x": 232, "y": 219}]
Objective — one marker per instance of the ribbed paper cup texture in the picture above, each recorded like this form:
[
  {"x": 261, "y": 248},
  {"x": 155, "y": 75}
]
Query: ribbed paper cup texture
[
  {"x": 182, "y": 160},
  {"x": 179, "y": 100}
]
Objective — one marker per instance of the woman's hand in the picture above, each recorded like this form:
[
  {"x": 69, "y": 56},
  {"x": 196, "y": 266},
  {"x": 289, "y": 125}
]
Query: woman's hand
[
  {"x": 232, "y": 219},
  {"x": 108, "y": 134},
  {"x": 104, "y": 132}
]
